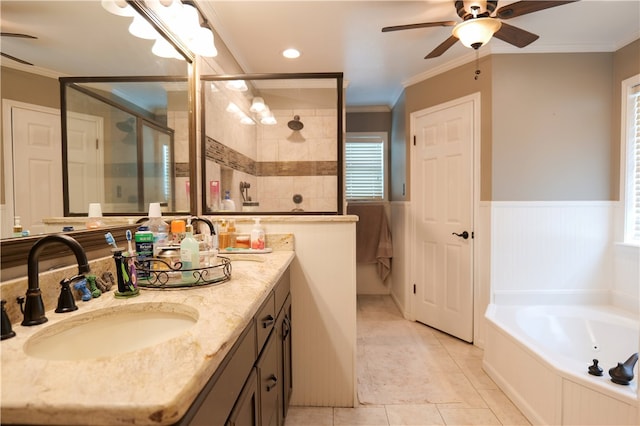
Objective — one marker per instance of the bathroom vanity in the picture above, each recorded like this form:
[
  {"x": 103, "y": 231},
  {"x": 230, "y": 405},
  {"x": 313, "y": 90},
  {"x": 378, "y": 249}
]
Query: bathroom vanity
[{"x": 232, "y": 362}]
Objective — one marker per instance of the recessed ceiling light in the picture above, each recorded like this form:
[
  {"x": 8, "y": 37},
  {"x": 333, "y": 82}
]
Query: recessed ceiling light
[{"x": 291, "y": 53}]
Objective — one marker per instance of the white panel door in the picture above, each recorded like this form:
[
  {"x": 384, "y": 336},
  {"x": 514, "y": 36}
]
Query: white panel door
[
  {"x": 85, "y": 161},
  {"x": 37, "y": 165},
  {"x": 442, "y": 206}
]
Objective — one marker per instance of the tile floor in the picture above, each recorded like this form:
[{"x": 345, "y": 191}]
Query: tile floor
[{"x": 411, "y": 374}]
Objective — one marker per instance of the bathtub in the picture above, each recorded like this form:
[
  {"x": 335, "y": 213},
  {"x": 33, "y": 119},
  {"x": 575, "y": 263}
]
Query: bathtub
[{"x": 539, "y": 356}]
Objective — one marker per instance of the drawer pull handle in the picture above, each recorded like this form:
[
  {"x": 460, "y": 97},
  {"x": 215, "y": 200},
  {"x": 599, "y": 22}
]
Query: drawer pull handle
[
  {"x": 286, "y": 327},
  {"x": 268, "y": 321},
  {"x": 273, "y": 381}
]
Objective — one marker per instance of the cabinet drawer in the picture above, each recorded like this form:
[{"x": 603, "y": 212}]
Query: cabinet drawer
[
  {"x": 265, "y": 320},
  {"x": 282, "y": 289}
]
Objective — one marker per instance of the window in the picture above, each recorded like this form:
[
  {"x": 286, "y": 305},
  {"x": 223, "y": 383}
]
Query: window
[
  {"x": 631, "y": 158},
  {"x": 365, "y": 169}
]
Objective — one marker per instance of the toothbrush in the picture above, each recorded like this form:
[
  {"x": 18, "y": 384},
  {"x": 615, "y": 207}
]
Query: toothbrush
[
  {"x": 129, "y": 246},
  {"x": 110, "y": 240}
]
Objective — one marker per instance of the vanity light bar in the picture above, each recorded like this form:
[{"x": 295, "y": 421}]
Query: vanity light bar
[{"x": 183, "y": 20}]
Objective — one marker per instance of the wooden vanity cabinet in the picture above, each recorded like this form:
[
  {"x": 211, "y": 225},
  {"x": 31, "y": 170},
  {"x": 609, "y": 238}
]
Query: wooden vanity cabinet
[{"x": 252, "y": 385}]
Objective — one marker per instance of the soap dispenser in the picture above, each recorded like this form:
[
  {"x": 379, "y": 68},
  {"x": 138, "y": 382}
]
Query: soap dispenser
[{"x": 257, "y": 235}]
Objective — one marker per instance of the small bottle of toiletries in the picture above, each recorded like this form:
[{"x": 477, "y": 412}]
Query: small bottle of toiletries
[
  {"x": 189, "y": 253},
  {"x": 144, "y": 250},
  {"x": 223, "y": 235},
  {"x": 257, "y": 235},
  {"x": 228, "y": 203},
  {"x": 214, "y": 195},
  {"x": 178, "y": 229},
  {"x": 17, "y": 227},
  {"x": 232, "y": 233},
  {"x": 158, "y": 227}
]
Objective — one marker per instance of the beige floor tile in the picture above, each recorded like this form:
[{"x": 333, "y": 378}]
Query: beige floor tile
[
  {"x": 414, "y": 415},
  {"x": 309, "y": 416},
  {"x": 412, "y": 374},
  {"x": 468, "y": 416},
  {"x": 504, "y": 409},
  {"x": 360, "y": 416},
  {"x": 472, "y": 368}
]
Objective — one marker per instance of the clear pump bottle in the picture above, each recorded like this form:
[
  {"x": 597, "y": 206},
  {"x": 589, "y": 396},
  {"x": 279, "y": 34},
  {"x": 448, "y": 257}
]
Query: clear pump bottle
[{"x": 189, "y": 254}]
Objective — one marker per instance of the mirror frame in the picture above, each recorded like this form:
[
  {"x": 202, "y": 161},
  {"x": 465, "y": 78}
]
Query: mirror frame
[
  {"x": 15, "y": 251},
  {"x": 338, "y": 76}
]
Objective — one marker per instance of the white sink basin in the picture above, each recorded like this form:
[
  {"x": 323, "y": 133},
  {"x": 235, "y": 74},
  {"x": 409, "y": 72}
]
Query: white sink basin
[{"x": 111, "y": 331}]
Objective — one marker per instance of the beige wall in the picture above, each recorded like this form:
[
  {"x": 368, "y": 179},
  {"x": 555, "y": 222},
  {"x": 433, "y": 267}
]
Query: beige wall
[
  {"x": 626, "y": 63},
  {"x": 552, "y": 127},
  {"x": 398, "y": 186},
  {"x": 451, "y": 85},
  {"x": 549, "y": 123}
]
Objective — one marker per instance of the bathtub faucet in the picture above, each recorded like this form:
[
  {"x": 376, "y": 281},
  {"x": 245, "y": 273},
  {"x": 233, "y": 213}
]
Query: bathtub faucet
[
  {"x": 34, "y": 306},
  {"x": 623, "y": 373}
]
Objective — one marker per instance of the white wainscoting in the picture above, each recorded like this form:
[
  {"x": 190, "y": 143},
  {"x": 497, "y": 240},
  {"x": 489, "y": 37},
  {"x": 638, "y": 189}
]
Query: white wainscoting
[{"x": 552, "y": 252}]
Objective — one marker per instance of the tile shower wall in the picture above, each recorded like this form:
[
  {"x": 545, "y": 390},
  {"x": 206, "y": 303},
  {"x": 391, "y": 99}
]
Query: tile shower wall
[
  {"x": 231, "y": 146},
  {"x": 276, "y": 161},
  {"x": 310, "y": 155}
]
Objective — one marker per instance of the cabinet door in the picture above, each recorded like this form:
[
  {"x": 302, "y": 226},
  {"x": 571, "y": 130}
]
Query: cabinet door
[
  {"x": 283, "y": 330},
  {"x": 246, "y": 410},
  {"x": 270, "y": 397},
  {"x": 287, "y": 367}
]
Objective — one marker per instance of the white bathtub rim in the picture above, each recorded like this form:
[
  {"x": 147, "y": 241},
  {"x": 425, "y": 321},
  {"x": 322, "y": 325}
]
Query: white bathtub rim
[{"x": 566, "y": 368}]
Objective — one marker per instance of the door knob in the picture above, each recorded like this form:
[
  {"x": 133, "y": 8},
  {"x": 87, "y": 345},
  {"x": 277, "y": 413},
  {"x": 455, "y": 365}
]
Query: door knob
[{"x": 464, "y": 235}]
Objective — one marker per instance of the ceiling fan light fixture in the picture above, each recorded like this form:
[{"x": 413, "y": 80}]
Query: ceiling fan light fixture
[{"x": 476, "y": 32}]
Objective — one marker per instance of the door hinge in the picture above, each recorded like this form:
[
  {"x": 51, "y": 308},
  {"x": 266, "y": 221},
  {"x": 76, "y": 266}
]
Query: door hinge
[
  {"x": 414, "y": 289},
  {"x": 472, "y": 235},
  {"x": 414, "y": 140},
  {"x": 97, "y": 144}
]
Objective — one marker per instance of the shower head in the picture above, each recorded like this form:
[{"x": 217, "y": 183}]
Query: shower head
[
  {"x": 127, "y": 125},
  {"x": 295, "y": 124}
]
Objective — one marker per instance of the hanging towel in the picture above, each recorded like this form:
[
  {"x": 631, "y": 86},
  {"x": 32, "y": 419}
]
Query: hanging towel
[{"x": 373, "y": 237}]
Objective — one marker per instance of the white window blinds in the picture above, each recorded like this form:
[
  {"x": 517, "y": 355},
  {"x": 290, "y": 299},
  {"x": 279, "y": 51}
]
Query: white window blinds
[{"x": 364, "y": 168}]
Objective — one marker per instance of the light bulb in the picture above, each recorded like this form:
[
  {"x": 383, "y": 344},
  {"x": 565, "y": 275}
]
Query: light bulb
[
  {"x": 141, "y": 28},
  {"x": 118, "y": 7},
  {"x": 257, "y": 105}
]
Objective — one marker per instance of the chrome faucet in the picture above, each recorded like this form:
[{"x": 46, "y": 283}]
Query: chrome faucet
[{"x": 34, "y": 306}]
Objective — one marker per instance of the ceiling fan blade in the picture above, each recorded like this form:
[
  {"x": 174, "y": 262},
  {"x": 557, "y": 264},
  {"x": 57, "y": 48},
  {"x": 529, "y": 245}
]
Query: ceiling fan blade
[
  {"x": 442, "y": 47},
  {"x": 524, "y": 7},
  {"x": 15, "y": 59},
  {"x": 516, "y": 36},
  {"x": 422, "y": 25},
  {"x": 18, "y": 35}
]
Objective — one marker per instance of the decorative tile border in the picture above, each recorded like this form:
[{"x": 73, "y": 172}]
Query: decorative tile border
[{"x": 225, "y": 156}]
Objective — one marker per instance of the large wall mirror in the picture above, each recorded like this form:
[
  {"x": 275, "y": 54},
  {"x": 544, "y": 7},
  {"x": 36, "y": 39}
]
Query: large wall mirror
[
  {"x": 128, "y": 134},
  {"x": 272, "y": 143},
  {"x": 43, "y": 41}
]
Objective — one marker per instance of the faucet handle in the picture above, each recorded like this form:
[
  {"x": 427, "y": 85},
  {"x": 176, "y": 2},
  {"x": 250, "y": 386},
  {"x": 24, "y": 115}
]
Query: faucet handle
[{"x": 66, "y": 302}]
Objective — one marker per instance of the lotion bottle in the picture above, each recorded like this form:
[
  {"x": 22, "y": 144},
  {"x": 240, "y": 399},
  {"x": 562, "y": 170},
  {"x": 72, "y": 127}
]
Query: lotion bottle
[
  {"x": 257, "y": 235},
  {"x": 189, "y": 253}
]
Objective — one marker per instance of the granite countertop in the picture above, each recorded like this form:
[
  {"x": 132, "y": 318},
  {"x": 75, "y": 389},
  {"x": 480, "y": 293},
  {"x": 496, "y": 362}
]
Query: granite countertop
[{"x": 151, "y": 386}]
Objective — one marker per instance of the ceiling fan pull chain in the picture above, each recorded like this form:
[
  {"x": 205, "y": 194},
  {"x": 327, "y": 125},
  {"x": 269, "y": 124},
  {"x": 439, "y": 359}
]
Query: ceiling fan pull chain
[{"x": 477, "y": 65}]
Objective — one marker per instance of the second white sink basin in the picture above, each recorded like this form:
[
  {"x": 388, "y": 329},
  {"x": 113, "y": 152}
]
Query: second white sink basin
[{"x": 111, "y": 331}]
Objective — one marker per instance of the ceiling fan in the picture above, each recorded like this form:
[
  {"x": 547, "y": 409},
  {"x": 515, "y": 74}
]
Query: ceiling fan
[
  {"x": 18, "y": 35},
  {"x": 480, "y": 23}
]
